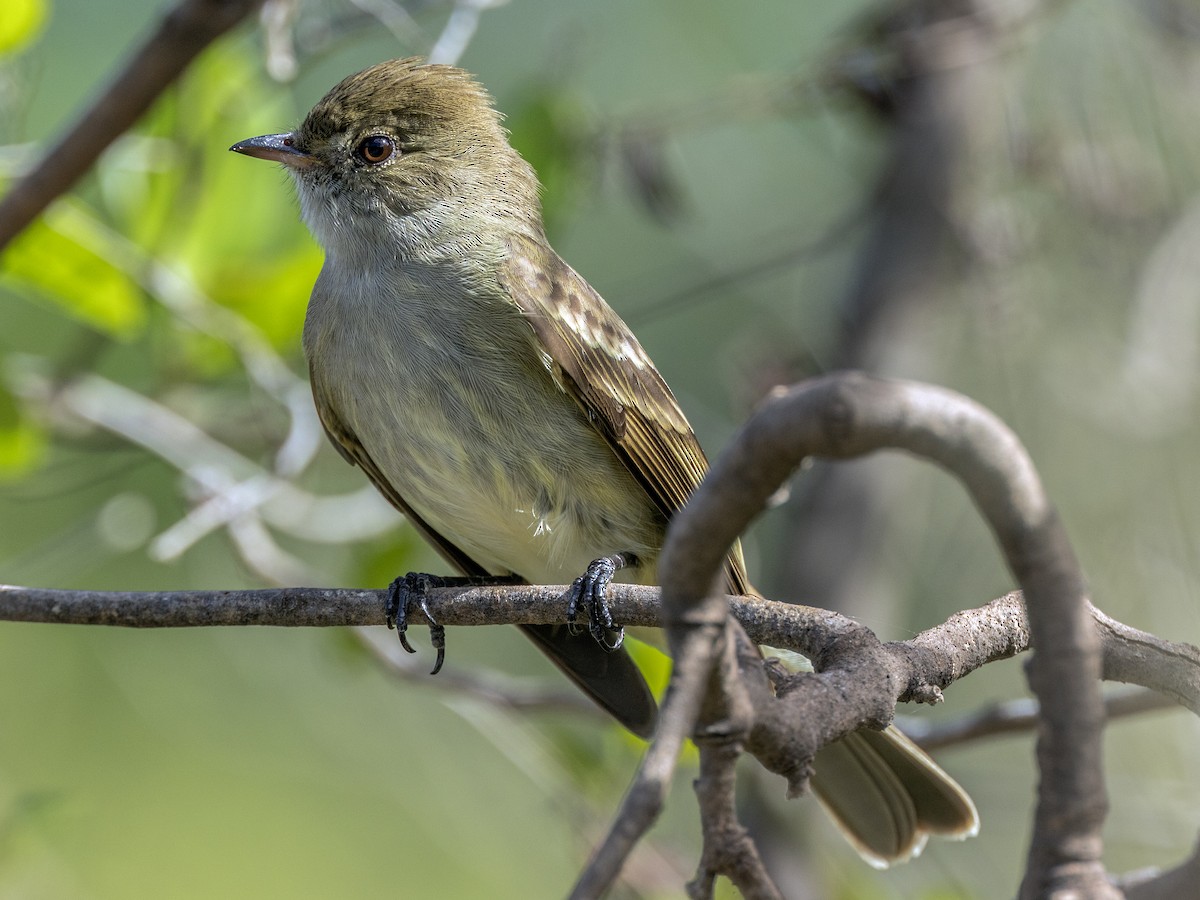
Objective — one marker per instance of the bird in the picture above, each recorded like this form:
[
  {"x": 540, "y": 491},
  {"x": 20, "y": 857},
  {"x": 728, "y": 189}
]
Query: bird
[{"x": 507, "y": 411}]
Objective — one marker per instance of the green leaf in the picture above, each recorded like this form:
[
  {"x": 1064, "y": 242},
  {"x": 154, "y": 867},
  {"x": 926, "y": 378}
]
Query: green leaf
[
  {"x": 20, "y": 24},
  {"x": 67, "y": 258},
  {"x": 21, "y": 441},
  {"x": 654, "y": 663},
  {"x": 549, "y": 127}
]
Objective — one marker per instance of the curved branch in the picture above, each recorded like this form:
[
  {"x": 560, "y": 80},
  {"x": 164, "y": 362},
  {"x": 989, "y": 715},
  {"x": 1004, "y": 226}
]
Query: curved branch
[
  {"x": 938, "y": 656},
  {"x": 847, "y": 415}
]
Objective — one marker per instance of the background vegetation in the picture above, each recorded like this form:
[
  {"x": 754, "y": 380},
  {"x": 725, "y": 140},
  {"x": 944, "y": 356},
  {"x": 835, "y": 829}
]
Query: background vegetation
[{"x": 716, "y": 171}]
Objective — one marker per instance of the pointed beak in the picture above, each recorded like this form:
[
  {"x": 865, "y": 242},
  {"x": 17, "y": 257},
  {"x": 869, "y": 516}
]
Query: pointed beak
[{"x": 277, "y": 148}]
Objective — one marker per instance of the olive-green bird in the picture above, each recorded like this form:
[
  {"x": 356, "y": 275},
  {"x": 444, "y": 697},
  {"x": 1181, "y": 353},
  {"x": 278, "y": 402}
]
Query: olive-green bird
[{"x": 503, "y": 407}]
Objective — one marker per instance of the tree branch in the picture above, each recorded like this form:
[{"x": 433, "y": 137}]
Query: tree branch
[
  {"x": 936, "y": 657},
  {"x": 1019, "y": 717},
  {"x": 847, "y": 415}
]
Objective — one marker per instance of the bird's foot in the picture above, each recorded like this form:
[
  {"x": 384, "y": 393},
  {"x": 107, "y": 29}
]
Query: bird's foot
[
  {"x": 410, "y": 587},
  {"x": 414, "y": 587},
  {"x": 588, "y": 592}
]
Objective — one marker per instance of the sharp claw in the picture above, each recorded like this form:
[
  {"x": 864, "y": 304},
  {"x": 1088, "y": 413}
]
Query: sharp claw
[
  {"x": 588, "y": 592},
  {"x": 396, "y": 612},
  {"x": 394, "y": 609},
  {"x": 437, "y": 637}
]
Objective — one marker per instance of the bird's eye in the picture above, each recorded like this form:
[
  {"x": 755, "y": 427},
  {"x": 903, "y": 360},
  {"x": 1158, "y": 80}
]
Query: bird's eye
[{"x": 376, "y": 149}]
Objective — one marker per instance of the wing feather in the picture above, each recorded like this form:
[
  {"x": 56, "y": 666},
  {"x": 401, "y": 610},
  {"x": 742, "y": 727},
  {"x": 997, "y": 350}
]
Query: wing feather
[{"x": 595, "y": 358}]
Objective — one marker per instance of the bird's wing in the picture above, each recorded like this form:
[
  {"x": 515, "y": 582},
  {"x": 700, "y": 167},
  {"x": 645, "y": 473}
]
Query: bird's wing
[{"x": 594, "y": 357}]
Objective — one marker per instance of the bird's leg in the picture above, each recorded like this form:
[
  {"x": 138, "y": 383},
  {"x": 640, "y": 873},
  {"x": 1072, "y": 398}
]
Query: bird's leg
[
  {"x": 588, "y": 591},
  {"x": 415, "y": 586}
]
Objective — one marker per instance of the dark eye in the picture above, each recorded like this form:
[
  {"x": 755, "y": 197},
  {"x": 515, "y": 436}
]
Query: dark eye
[{"x": 376, "y": 149}]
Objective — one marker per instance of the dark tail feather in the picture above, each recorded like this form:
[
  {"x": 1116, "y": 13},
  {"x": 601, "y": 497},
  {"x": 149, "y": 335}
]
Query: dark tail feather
[{"x": 609, "y": 677}]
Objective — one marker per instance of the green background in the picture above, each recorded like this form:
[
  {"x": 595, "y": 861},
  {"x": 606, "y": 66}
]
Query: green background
[{"x": 283, "y": 763}]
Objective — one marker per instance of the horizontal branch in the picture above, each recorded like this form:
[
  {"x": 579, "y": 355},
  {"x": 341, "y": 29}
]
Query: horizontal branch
[
  {"x": 938, "y": 657},
  {"x": 307, "y": 607}
]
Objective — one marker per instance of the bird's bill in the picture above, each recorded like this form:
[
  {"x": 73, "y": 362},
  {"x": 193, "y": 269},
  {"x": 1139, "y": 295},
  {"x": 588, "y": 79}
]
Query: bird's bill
[{"x": 275, "y": 147}]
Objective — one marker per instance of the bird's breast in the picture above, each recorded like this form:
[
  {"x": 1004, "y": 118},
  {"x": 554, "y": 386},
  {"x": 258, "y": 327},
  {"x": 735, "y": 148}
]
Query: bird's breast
[{"x": 451, "y": 397}]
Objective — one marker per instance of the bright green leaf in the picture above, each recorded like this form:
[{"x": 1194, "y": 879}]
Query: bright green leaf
[
  {"x": 20, "y": 24},
  {"x": 21, "y": 441},
  {"x": 655, "y": 665},
  {"x": 58, "y": 258},
  {"x": 270, "y": 291}
]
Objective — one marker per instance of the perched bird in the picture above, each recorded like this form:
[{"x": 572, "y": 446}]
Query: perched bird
[{"x": 499, "y": 403}]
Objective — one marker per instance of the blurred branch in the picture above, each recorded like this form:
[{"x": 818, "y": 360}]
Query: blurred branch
[
  {"x": 925, "y": 73},
  {"x": 492, "y": 687},
  {"x": 1018, "y": 717},
  {"x": 182, "y": 34},
  {"x": 459, "y": 30},
  {"x": 996, "y": 630},
  {"x": 235, "y": 493},
  {"x": 840, "y": 416},
  {"x": 232, "y": 486},
  {"x": 1170, "y": 885}
]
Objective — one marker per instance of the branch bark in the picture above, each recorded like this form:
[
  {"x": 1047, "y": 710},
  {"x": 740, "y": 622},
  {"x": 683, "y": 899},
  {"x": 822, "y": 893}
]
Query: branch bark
[
  {"x": 936, "y": 657},
  {"x": 847, "y": 415},
  {"x": 843, "y": 416}
]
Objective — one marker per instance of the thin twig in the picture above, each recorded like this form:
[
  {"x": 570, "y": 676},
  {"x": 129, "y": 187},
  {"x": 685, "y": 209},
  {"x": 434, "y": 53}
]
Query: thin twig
[{"x": 1019, "y": 717}]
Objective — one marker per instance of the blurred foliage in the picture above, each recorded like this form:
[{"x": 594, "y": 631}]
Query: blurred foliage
[
  {"x": 63, "y": 258},
  {"x": 549, "y": 127},
  {"x": 149, "y": 365},
  {"x": 22, "y": 21}
]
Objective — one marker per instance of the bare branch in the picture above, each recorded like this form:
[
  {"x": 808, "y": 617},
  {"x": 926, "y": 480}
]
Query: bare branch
[
  {"x": 936, "y": 657},
  {"x": 737, "y": 687},
  {"x": 939, "y": 656},
  {"x": 1170, "y": 885},
  {"x": 307, "y": 607},
  {"x": 1018, "y": 717},
  {"x": 728, "y": 846},
  {"x": 848, "y": 415},
  {"x": 645, "y": 798},
  {"x": 1138, "y": 657}
]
